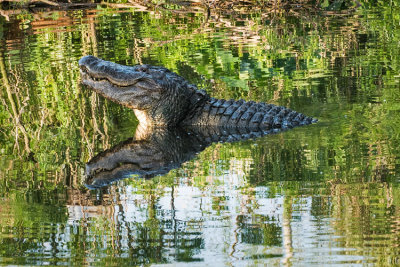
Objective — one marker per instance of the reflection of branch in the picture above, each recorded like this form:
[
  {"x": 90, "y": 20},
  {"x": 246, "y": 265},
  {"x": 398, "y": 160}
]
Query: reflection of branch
[
  {"x": 15, "y": 114},
  {"x": 47, "y": 2},
  {"x": 269, "y": 9},
  {"x": 131, "y": 4},
  {"x": 38, "y": 6},
  {"x": 236, "y": 231},
  {"x": 31, "y": 2},
  {"x": 93, "y": 100},
  {"x": 8, "y": 13}
]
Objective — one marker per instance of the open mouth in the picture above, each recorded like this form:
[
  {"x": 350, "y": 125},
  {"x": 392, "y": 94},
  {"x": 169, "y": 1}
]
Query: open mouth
[
  {"x": 89, "y": 76},
  {"x": 134, "y": 80}
]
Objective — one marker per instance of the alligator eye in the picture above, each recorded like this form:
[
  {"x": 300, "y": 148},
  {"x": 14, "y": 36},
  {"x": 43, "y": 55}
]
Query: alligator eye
[{"x": 143, "y": 68}]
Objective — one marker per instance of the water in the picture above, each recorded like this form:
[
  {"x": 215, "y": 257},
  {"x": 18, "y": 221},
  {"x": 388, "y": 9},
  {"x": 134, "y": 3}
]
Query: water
[{"x": 327, "y": 193}]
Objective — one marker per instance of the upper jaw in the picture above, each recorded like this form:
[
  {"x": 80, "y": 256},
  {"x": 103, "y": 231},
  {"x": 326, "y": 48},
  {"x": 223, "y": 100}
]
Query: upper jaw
[
  {"x": 127, "y": 86},
  {"x": 93, "y": 68}
]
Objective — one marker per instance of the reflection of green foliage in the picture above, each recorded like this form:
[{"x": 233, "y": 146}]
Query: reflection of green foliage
[
  {"x": 326, "y": 66},
  {"x": 27, "y": 226},
  {"x": 267, "y": 234}
]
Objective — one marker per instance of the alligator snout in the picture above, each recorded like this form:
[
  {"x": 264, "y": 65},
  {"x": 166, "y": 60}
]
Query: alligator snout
[{"x": 116, "y": 74}]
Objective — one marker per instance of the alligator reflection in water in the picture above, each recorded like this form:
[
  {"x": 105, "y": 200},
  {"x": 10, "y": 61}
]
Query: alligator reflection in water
[
  {"x": 158, "y": 151},
  {"x": 162, "y": 98}
]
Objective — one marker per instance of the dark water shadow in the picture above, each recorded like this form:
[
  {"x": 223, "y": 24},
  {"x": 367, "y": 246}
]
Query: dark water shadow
[{"x": 159, "y": 152}]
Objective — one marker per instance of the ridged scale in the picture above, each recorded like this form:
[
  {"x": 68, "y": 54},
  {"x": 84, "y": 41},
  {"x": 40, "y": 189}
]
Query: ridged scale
[{"x": 250, "y": 114}]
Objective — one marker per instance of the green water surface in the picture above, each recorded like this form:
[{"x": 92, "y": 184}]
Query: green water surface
[{"x": 322, "y": 194}]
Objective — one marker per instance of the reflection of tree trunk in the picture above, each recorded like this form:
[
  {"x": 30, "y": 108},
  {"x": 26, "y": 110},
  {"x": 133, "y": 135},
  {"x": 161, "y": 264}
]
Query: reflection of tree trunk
[
  {"x": 236, "y": 231},
  {"x": 136, "y": 51},
  {"x": 173, "y": 218},
  {"x": 90, "y": 47},
  {"x": 89, "y": 38},
  {"x": 94, "y": 104},
  {"x": 287, "y": 231},
  {"x": 93, "y": 36},
  {"x": 105, "y": 129},
  {"x": 15, "y": 115}
]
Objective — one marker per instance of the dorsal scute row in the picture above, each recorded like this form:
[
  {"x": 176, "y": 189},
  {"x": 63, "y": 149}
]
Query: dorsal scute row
[{"x": 250, "y": 114}]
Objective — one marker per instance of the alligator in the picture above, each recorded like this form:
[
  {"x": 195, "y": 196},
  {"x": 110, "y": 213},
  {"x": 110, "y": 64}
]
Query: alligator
[
  {"x": 161, "y": 150},
  {"x": 160, "y": 97}
]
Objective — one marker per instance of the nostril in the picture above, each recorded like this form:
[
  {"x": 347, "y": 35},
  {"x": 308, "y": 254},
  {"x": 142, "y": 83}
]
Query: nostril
[
  {"x": 83, "y": 68},
  {"x": 87, "y": 60}
]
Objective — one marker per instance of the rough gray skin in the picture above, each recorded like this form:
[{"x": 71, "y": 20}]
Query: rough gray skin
[
  {"x": 163, "y": 149},
  {"x": 160, "y": 97}
]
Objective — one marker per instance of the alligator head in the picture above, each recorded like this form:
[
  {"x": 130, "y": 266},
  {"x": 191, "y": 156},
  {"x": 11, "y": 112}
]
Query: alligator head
[{"x": 157, "y": 95}]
